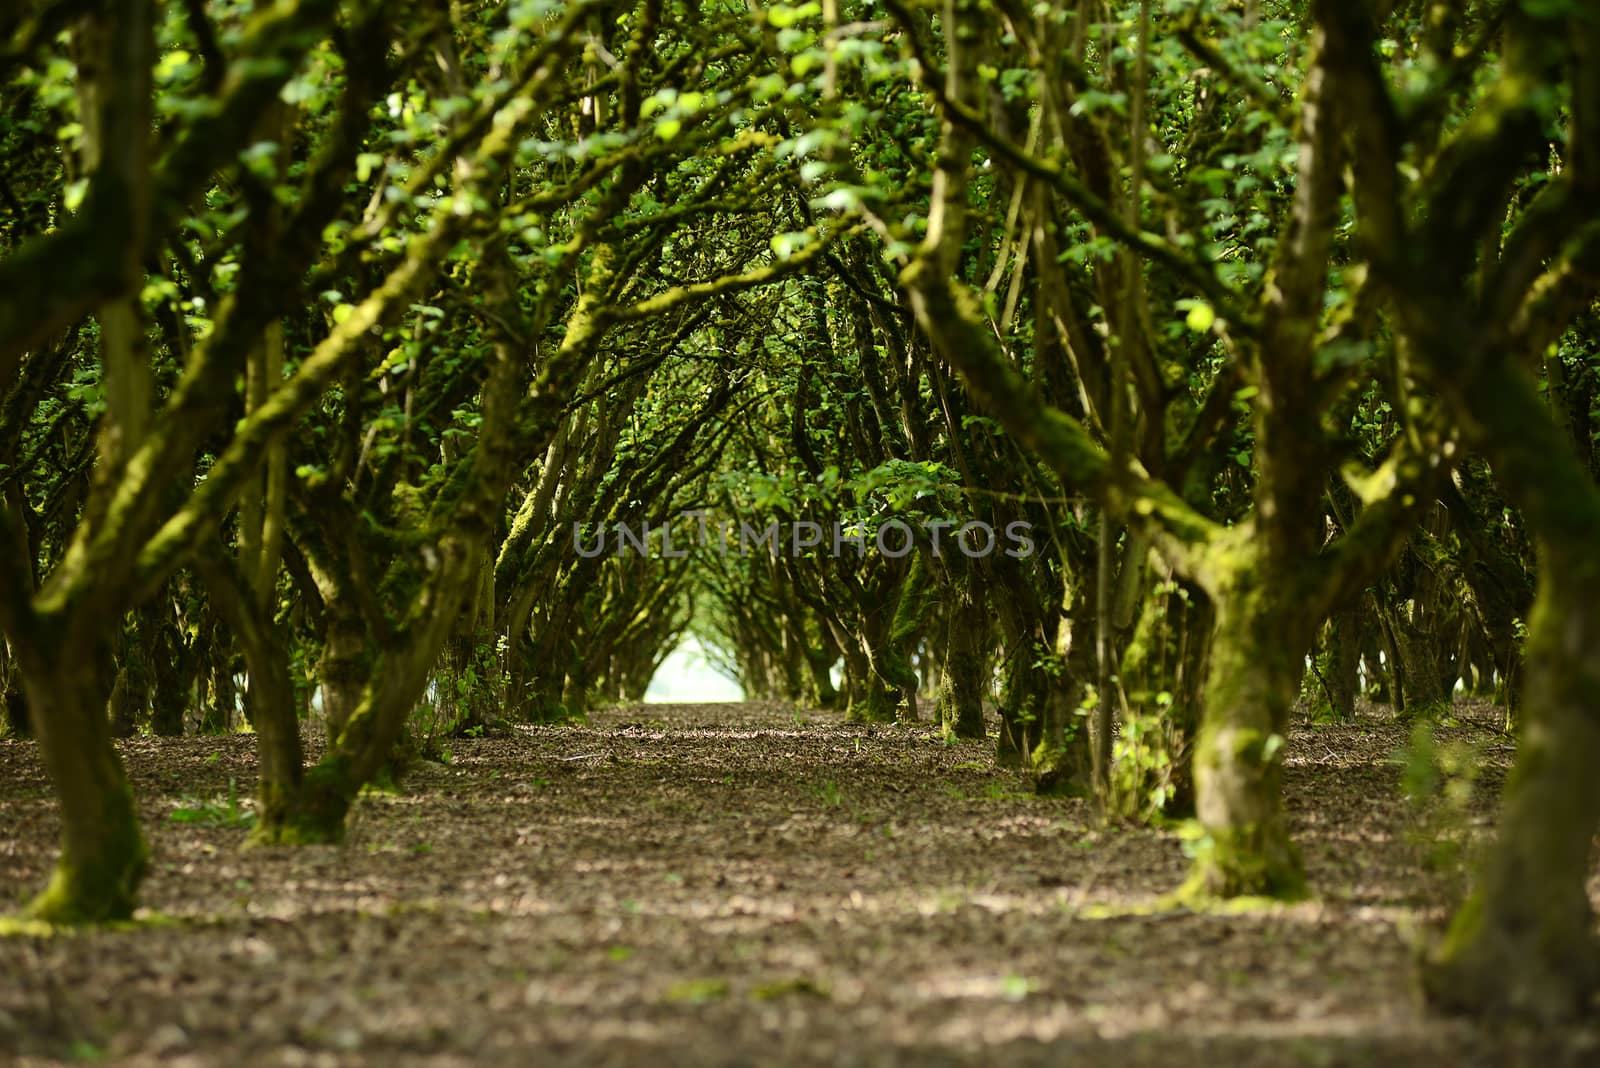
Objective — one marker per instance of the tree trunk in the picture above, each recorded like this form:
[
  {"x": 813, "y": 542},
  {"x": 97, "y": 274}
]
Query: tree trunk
[
  {"x": 1258, "y": 648},
  {"x": 820, "y": 692},
  {"x": 122, "y": 706},
  {"x": 103, "y": 854},
  {"x": 1523, "y": 943},
  {"x": 892, "y": 688},
  {"x": 1343, "y": 667},
  {"x": 270, "y": 692},
  {"x": 1420, "y": 659},
  {"x": 1163, "y": 672},
  {"x": 1373, "y": 638},
  {"x": 18, "y": 724},
  {"x": 1394, "y": 675},
  {"x": 216, "y": 713},
  {"x": 1024, "y": 694},
  {"x": 964, "y": 678},
  {"x": 344, "y": 665}
]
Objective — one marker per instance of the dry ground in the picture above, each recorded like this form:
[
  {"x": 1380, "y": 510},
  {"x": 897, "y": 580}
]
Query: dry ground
[{"x": 741, "y": 885}]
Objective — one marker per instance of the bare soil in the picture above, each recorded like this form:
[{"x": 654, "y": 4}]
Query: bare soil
[{"x": 745, "y": 885}]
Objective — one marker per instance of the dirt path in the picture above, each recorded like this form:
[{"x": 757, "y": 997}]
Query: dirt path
[{"x": 730, "y": 885}]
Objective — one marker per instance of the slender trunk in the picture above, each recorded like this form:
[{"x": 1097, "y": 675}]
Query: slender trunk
[
  {"x": 883, "y": 685},
  {"x": 964, "y": 678},
  {"x": 169, "y": 690},
  {"x": 892, "y": 688},
  {"x": 1342, "y": 668},
  {"x": 1184, "y": 716},
  {"x": 1394, "y": 676},
  {"x": 855, "y": 682},
  {"x": 1024, "y": 697},
  {"x": 216, "y": 713},
  {"x": 277, "y": 725},
  {"x": 821, "y": 692},
  {"x": 122, "y": 706},
  {"x": 270, "y": 693},
  {"x": 1162, "y": 672},
  {"x": 18, "y": 723}
]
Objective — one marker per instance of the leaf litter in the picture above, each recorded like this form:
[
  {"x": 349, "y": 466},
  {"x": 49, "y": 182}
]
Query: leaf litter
[{"x": 742, "y": 885}]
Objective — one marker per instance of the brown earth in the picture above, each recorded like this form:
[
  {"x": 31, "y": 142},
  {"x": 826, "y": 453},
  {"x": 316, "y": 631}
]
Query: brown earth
[{"x": 745, "y": 885}]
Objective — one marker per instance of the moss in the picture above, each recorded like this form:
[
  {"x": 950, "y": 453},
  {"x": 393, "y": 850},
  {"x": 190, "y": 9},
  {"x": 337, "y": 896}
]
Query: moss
[
  {"x": 97, "y": 881},
  {"x": 1260, "y": 634},
  {"x": 555, "y": 713},
  {"x": 1254, "y": 748},
  {"x": 799, "y": 985},
  {"x": 97, "y": 891},
  {"x": 878, "y": 706},
  {"x": 312, "y": 814},
  {"x": 1058, "y": 771},
  {"x": 1481, "y": 968},
  {"x": 25, "y": 927},
  {"x": 1249, "y": 861}
]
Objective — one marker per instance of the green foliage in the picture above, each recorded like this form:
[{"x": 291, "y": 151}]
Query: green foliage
[
  {"x": 829, "y": 793},
  {"x": 211, "y": 812},
  {"x": 1144, "y": 758},
  {"x": 697, "y": 991},
  {"x": 796, "y": 986},
  {"x": 1439, "y": 781}
]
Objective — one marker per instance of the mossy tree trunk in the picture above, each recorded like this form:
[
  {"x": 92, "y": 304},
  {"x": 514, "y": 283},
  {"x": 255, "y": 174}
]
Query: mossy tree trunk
[
  {"x": 470, "y": 690},
  {"x": 1259, "y": 640},
  {"x": 517, "y": 417},
  {"x": 1024, "y": 695},
  {"x": 1163, "y": 671},
  {"x": 125, "y": 700},
  {"x": 169, "y": 670},
  {"x": 964, "y": 680},
  {"x": 269, "y": 695},
  {"x": 857, "y": 680},
  {"x": 103, "y": 853},
  {"x": 888, "y": 681},
  {"x": 1379, "y": 682},
  {"x": 820, "y": 690},
  {"x": 13, "y": 700},
  {"x": 1523, "y": 943},
  {"x": 1474, "y": 314},
  {"x": 346, "y": 659},
  {"x": 1342, "y": 665},
  {"x": 219, "y": 690},
  {"x": 889, "y": 609}
]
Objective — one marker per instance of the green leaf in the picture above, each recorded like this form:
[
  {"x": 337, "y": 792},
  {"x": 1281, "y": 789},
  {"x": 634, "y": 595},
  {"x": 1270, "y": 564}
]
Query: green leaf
[
  {"x": 782, "y": 16},
  {"x": 1201, "y": 318},
  {"x": 72, "y": 196}
]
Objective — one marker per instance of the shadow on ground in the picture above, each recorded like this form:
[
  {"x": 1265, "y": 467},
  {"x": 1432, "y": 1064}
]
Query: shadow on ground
[{"x": 735, "y": 885}]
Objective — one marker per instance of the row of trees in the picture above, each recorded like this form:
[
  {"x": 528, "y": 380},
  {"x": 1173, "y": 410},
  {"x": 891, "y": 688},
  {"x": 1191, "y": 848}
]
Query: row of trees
[{"x": 325, "y": 326}]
